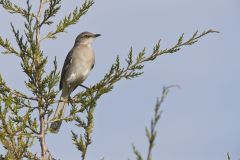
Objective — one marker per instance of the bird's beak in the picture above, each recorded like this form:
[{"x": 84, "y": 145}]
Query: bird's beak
[{"x": 97, "y": 35}]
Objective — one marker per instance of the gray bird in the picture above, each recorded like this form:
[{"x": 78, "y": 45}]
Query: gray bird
[{"x": 77, "y": 65}]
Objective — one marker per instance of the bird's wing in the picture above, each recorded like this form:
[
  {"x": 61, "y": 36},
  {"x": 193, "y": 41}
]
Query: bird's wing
[
  {"x": 65, "y": 68},
  {"x": 93, "y": 65},
  {"x": 93, "y": 62}
]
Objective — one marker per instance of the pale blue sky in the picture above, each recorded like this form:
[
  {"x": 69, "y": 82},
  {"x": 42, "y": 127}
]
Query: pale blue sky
[{"x": 200, "y": 121}]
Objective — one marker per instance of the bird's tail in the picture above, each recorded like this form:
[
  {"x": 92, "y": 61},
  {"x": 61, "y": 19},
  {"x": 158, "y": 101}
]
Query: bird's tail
[{"x": 59, "y": 114}]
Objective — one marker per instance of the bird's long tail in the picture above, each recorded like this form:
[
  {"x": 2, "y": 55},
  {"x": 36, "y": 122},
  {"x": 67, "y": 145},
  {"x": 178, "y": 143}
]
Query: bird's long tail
[{"x": 59, "y": 114}]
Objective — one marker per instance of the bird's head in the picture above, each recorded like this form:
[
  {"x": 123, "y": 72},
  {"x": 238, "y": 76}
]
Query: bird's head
[{"x": 86, "y": 38}]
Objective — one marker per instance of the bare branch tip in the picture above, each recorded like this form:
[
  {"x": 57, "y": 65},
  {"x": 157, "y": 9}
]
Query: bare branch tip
[{"x": 212, "y": 31}]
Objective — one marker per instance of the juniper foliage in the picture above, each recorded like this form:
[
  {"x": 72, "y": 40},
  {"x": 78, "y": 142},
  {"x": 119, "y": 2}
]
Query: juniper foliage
[
  {"x": 25, "y": 118},
  {"x": 151, "y": 132}
]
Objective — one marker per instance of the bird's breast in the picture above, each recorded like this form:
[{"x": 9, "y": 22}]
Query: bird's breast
[{"x": 83, "y": 62}]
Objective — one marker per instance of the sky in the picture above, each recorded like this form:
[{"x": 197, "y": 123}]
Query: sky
[{"x": 199, "y": 120}]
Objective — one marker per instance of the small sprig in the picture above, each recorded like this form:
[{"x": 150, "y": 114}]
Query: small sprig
[
  {"x": 180, "y": 43},
  {"x": 69, "y": 20},
  {"x": 15, "y": 9},
  {"x": 152, "y": 132},
  {"x": 51, "y": 11},
  {"x": 137, "y": 153},
  {"x": 79, "y": 143},
  {"x": 228, "y": 156},
  {"x": 7, "y": 46}
]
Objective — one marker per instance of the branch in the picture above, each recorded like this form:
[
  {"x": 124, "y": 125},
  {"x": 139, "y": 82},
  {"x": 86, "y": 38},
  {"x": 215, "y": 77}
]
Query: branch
[
  {"x": 151, "y": 135},
  {"x": 137, "y": 153},
  {"x": 195, "y": 37},
  {"x": 228, "y": 156},
  {"x": 82, "y": 142},
  {"x": 133, "y": 68},
  {"x": 41, "y": 111},
  {"x": 31, "y": 156},
  {"x": 152, "y": 132},
  {"x": 21, "y": 95},
  {"x": 5, "y": 88},
  {"x": 69, "y": 20},
  {"x": 14, "y": 9},
  {"x": 6, "y": 45},
  {"x": 53, "y": 8},
  {"x": 38, "y": 19}
]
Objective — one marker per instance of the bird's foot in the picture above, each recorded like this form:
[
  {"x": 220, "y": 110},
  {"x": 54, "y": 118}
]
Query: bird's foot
[{"x": 83, "y": 86}]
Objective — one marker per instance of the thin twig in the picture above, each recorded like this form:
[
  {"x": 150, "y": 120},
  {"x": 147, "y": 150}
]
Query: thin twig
[
  {"x": 41, "y": 110},
  {"x": 18, "y": 94}
]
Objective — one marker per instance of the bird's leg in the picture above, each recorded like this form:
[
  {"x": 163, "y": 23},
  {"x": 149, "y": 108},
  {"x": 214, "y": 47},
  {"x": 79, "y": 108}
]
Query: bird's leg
[{"x": 83, "y": 86}]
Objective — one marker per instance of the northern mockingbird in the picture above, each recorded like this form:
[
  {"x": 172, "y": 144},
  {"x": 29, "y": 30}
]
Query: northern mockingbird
[{"x": 77, "y": 65}]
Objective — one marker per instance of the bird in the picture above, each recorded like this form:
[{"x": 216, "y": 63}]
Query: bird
[{"x": 79, "y": 62}]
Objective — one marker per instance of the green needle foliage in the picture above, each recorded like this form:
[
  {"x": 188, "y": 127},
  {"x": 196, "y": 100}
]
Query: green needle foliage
[
  {"x": 151, "y": 132},
  {"x": 25, "y": 119},
  {"x": 228, "y": 156}
]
